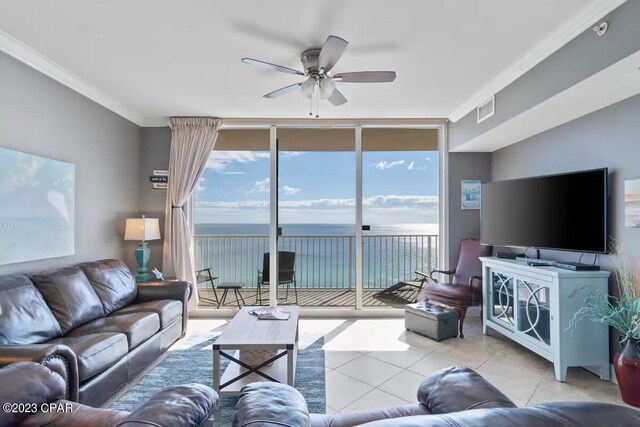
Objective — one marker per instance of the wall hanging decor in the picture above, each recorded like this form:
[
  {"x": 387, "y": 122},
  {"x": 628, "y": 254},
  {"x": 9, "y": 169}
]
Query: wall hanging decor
[
  {"x": 632, "y": 203},
  {"x": 470, "y": 189},
  {"x": 36, "y": 207}
]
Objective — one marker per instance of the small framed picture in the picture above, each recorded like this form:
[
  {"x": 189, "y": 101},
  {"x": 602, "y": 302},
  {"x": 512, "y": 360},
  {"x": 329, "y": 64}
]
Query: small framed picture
[
  {"x": 471, "y": 192},
  {"x": 632, "y": 203}
]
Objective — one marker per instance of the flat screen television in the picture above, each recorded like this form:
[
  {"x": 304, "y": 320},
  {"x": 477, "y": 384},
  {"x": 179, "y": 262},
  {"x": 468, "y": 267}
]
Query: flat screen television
[{"x": 562, "y": 212}]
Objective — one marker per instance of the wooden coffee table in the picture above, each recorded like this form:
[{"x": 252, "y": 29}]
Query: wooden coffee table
[{"x": 247, "y": 332}]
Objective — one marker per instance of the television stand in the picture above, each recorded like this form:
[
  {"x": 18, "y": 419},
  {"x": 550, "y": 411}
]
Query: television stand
[{"x": 533, "y": 307}]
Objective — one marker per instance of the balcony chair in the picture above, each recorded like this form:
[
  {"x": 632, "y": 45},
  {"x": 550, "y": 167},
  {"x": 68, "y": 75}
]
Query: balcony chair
[
  {"x": 464, "y": 289},
  {"x": 418, "y": 283},
  {"x": 203, "y": 277},
  {"x": 286, "y": 274}
]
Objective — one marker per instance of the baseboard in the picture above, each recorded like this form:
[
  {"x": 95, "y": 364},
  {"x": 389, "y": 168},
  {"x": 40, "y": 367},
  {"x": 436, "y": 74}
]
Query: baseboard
[{"x": 309, "y": 313}]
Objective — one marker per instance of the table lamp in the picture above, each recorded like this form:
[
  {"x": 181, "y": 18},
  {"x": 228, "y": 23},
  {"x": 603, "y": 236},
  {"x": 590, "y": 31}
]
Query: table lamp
[{"x": 142, "y": 229}]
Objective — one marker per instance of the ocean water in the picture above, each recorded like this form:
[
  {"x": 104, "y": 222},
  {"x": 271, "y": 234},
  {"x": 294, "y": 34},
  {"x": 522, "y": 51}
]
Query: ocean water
[{"x": 325, "y": 253}]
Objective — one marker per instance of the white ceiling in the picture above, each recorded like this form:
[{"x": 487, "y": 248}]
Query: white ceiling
[{"x": 156, "y": 58}]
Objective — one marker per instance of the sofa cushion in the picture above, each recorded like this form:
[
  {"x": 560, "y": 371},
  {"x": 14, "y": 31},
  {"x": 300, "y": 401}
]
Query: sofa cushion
[
  {"x": 25, "y": 318},
  {"x": 95, "y": 352},
  {"x": 138, "y": 327},
  {"x": 168, "y": 309},
  {"x": 69, "y": 295},
  {"x": 113, "y": 282}
]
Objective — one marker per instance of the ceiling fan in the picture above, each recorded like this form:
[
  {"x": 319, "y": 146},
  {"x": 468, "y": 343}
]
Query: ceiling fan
[{"x": 317, "y": 64}]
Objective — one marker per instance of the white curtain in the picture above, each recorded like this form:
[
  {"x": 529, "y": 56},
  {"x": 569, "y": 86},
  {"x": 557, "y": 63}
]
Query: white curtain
[{"x": 192, "y": 139}]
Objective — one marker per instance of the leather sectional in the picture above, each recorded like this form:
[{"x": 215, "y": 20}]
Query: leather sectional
[
  {"x": 91, "y": 320},
  {"x": 453, "y": 397}
]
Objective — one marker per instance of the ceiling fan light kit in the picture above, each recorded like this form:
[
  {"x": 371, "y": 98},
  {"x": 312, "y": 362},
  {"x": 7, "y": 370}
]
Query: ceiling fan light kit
[{"x": 317, "y": 64}]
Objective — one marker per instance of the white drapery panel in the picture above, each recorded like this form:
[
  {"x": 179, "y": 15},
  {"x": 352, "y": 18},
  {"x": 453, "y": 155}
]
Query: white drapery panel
[{"x": 192, "y": 139}]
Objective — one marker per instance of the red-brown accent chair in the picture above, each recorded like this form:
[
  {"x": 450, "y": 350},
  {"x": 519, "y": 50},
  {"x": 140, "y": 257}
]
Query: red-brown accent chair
[{"x": 465, "y": 287}]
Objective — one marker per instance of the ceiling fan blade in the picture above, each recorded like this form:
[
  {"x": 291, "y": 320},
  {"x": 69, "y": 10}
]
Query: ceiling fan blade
[
  {"x": 331, "y": 52},
  {"x": 282, "y": 91},
  {"x": 366, "y": 77},
  {"x": 337, "y": 98},
  {"x": 270, "y": 66}
]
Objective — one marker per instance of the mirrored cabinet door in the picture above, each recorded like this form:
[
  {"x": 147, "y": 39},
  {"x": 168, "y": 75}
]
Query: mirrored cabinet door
[
  {"x": 502, "y": 299},
  {"x": 534, "y": 311}
]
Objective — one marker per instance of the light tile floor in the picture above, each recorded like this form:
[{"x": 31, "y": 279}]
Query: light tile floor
[{"x": 375, "y": 363}]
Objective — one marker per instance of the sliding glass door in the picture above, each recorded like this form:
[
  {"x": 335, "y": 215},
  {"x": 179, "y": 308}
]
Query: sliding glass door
[
  {"x": 350, "y": 212},
  {"x": 400, "y": 210},
  {"x": 316, "y": 217}
]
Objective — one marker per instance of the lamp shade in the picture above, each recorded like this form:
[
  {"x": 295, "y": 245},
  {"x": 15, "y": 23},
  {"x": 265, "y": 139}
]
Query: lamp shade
[{"x": 142, "y": 229}]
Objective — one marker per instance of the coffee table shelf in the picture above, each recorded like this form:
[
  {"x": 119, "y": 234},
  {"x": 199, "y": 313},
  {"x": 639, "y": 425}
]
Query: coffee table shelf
[
  {"x": 247, "y": 332},
  {"x": 278, "y": 371}
]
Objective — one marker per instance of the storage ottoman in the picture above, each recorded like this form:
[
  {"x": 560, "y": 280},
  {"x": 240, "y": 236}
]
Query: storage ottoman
[{"x": 433, "y": 321}]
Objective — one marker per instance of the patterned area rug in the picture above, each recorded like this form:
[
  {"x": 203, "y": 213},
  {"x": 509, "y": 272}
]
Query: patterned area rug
[{"x": 190, "y": 361}]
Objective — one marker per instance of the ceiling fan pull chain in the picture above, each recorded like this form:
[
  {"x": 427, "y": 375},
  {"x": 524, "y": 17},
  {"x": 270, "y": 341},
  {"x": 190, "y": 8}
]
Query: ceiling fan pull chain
[
  {"x": 318, "y": 101},
  {"x": 311, "y": 105}
]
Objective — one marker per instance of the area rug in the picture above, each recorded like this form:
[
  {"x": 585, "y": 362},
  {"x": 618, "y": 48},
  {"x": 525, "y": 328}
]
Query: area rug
[{"x": 190, "y": 361}]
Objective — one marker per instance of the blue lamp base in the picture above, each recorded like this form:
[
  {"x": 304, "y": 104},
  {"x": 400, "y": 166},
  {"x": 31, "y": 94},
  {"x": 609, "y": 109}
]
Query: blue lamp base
[{"x": 142, "y": 256}]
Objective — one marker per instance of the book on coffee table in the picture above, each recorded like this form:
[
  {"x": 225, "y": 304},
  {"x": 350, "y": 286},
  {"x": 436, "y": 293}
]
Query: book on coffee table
[{"x": 271, "y": 313}]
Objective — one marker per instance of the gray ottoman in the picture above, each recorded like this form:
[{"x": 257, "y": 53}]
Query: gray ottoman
[{"x": 433, "y": 321}]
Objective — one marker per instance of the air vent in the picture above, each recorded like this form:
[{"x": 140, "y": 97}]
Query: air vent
[{"x": 486, "y": 109}]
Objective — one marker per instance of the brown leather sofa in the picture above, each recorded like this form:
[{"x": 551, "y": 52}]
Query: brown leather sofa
[
  {"x": 453, "y": 397},
  {"x": 38, "y": 397},
  {"x": 92, "y": 321}
]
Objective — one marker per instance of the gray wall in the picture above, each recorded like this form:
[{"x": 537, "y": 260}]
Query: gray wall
[
  {"x": 606, "y": 138},
  {"x": 582, "y": 57},
  {"x": 464, "y": 223},
  {"x": 155, "y": 146},
  {"x": 43, "y": 117}
]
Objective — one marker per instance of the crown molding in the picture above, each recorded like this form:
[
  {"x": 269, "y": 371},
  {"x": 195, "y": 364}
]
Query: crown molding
[
  {"x": 265, "y": 123},
  {"x": 39, "y": 62},
  {"x": 538, "y": 53}
]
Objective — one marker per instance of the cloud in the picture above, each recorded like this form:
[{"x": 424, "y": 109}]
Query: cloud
[
  {"x": 219, "y": 161},
  {"x": 261, "y": 186},
  {"x": 289, "y": 191},
  {"x": 291, "y": 153},
  {"x": 399, "y": 200},
  {"x": 200, "y": 186},
  {"x": 413, "y": 166},
  {"x": 378, "y": 210},
  {"x": 24, "y": 173},
  {"x": 387, "y": 201},
  {"x": 383, "y": 164}
]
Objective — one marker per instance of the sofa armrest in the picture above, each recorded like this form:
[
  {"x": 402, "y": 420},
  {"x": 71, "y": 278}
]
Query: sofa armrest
[
  {"x": 184, "y": 405},
  {"x": 271, "y": 404},
  {"x": 180, "y": 290},
  {"x": 459, "y": 388},
  {"x": 29, "y": 384},
  {"x": 57, "y": 357}
]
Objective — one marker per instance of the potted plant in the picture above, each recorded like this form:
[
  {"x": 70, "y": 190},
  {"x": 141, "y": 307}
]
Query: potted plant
[{"x": 622, "y": 313}]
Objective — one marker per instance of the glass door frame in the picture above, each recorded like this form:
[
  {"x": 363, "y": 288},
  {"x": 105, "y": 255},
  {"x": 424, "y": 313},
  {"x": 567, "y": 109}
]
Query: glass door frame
[{"x": 357, "y": 124}]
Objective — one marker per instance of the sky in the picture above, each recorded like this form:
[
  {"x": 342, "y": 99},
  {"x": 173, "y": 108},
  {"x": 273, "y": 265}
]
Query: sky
[{"x": 319, "y": 187}]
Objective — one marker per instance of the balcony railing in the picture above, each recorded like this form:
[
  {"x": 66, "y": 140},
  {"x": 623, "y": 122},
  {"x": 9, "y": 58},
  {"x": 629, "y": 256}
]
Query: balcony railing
[{"x": 322, "y": 261}]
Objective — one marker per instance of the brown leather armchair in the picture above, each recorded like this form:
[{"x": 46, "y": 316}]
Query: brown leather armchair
[
  {"x": 38, "y": 396},
  {"x": 464, "y": 288}
]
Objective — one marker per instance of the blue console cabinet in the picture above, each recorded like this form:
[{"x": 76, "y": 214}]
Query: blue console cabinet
[{"x": 534, "y": 305}]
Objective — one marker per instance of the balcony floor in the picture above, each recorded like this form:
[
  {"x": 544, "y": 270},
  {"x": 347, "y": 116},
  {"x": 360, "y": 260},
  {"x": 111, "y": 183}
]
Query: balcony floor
[{"x": 315, "y": 298}]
